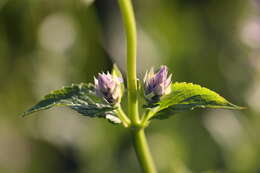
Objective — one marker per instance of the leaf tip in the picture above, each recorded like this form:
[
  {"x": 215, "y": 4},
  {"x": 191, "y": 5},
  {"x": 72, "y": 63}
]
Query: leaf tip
[
  {"x": 240, "y": 108},
  {"x": 235, "y": 107},
  {"x": 24, "y": 114}
]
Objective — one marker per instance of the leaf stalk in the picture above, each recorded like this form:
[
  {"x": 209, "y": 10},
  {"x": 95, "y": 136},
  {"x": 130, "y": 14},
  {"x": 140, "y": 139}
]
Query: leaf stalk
[{"x": 123, "y": 117}]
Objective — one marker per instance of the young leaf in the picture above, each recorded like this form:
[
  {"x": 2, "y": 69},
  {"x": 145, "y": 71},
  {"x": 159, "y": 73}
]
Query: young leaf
[
  {"x": 79, "y": 97},
  {"x": 116, "y": 73},
  {"x": 188, "y": 96}
]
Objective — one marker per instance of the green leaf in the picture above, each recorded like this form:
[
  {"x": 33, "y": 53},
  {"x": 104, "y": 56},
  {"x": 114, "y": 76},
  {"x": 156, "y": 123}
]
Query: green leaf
[
  {"x": 188, "y": 96},
  {"x": 116, "y": 73},
  {"x": 79, "y": 97}
]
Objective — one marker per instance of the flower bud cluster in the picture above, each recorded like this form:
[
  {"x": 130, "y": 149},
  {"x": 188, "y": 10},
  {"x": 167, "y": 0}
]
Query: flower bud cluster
[
  {"x": 108, "y": 87},
  {"x": 157, "y": 84}
]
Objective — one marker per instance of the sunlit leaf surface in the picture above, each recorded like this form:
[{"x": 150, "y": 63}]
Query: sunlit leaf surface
[{"x": 188, "y": 96}]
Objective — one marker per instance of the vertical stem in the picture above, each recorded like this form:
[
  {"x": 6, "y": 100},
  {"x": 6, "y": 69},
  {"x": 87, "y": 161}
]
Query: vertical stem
[
  {"x": 130, "y": 28},
  {"x": 143, "y": 152},
  {"x": 140, "y": 143}
]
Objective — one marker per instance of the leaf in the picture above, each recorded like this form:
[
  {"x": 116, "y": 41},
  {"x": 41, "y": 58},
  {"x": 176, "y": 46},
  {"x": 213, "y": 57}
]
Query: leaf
[
  {"x": 79, "y": 97},
  {"x": 116, "y": 73},
  {"x": 188, "y": 96}
]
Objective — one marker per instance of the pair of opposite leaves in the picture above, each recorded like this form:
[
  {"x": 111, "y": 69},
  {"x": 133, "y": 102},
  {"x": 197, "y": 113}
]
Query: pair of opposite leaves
[{"x": 83, "y": 99}]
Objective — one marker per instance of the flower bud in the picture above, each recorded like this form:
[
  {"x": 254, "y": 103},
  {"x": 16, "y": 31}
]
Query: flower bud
[
  {"x": 157, "y": 85},
  {"x": 108, "y": 87}
]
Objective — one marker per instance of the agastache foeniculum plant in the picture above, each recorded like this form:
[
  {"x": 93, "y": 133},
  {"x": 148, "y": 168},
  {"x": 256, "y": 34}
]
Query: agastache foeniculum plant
[{"x": 161, "y": 96}]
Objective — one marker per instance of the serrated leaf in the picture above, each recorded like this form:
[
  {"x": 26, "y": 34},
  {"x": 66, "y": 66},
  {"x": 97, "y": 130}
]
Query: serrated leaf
[
  {"x": 79, "y": 97},
  {"x": 188, "y": 96}
]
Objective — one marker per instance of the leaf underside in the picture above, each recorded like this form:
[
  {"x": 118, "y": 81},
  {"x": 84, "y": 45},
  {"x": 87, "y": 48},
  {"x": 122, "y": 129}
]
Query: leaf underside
[
  {"x": 188, "y": 96},
  {"x": 79, "y": 97}
]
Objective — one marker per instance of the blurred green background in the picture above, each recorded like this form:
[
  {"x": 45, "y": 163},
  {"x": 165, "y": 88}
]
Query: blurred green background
[{"x": 45, "y": 44}]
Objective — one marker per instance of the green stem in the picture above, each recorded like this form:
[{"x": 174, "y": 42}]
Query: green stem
[
  {"x": 121, "y": 114},
  {"x": 140, "y": 143},
  {"x": 143, "y": 152},
  {"x": 130, "y": 28},
  {"x": 147, "y": 115}
]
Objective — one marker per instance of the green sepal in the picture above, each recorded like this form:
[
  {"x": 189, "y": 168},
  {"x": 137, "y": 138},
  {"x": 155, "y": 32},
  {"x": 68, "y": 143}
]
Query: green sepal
[
  {"x": 187, "y": 96},
  {"x": 79, "y": 97}
]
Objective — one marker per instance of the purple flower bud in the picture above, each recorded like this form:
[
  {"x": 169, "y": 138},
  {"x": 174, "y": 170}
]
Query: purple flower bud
[
  {"x": 158, "y": 84},
  {"x": 108, "y": 87}
]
